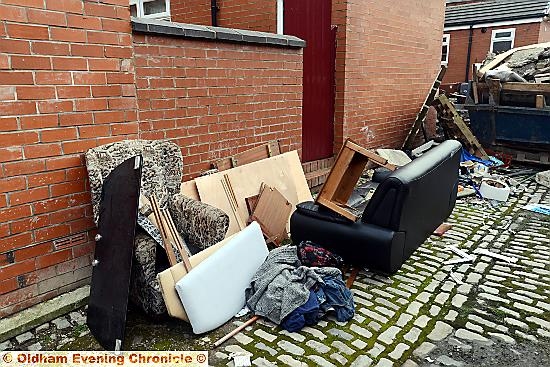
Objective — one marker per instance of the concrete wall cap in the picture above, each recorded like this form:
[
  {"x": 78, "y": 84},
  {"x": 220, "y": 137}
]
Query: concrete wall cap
[{"x": 161, "y": 27}]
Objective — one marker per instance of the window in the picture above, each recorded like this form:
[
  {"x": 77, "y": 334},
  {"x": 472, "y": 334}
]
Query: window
[
  {"x": 280, "y": 15},
  {"x": 445, "y": 49},
  {"x": 502, "y": 40},
  {"x": 150, "y": 8}
]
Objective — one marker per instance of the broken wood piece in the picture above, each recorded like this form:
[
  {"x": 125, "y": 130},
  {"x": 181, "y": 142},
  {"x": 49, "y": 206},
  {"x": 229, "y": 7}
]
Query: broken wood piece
[
  {"x": 460, "y": 253},
  {"x": 272, "y": 212},
  {"x": 237, "y": 330},
  {"x": 163, "y": 229},
  {"x": 348, "y": 168},
  {"x": 464, "y": 257},
  {"x": 454, "y": 124},
  {"x": 540, "y": 101},
  {"x": 178, "y": 242},
  {"x": 351, "y": 278},
  {"x": 226, "y": 183},
  {"x": 455, "y": 278},
  {"x": 251, "y": 203},
  {"x": 485, "y": 252},
  {"x": 268, "y": 150},
  {"x": 443, "y": 227},
  {"x": 421, "y": 117},
  {"x": 476, "y": 92}
]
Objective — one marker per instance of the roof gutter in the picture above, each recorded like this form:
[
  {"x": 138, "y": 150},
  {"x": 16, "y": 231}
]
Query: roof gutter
[{"x": 462, "y": 26}]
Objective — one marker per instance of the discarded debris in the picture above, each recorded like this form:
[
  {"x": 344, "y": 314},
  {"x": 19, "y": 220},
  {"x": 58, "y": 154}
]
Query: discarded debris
[
  {"x": 484, "y": 251},
  {"x": 464, "y": 257},
  {"x": 237, "y": 330},
  {"x": 444, "y": 227},
  {"x": 543, "y": 178},
  {"x": 455, "y": 278},
  {"x": 241, "y": 359},
  {"x": 494, "y": 189},
  {"x": 538, "y": 208}
]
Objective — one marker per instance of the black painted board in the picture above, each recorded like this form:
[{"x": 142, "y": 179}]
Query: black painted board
[{"x": 112, "y": 268}]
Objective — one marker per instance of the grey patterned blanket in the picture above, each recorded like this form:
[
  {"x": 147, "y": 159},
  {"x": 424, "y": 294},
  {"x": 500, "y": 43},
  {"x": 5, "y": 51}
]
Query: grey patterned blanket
[{"x": 282, "y": 284}]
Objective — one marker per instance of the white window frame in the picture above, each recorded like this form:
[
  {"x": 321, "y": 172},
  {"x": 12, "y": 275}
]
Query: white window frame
[
  {"x": 280, "y": 16},
  {"x": 446, "y": 42},
  {"x": 140, "y": 11},
  {"x": 503, "y": 39}
]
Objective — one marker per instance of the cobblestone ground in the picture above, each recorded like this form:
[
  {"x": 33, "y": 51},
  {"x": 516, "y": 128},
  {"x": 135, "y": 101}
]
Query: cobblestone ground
[{"x": 494, "y": 314}]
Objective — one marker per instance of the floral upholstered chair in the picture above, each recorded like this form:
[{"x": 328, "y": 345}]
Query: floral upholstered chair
[{"x": 199, "y": 224}]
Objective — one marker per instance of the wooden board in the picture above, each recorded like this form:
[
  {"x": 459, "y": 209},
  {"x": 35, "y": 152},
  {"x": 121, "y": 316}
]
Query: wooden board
[
  {"x": 268, "y": 150},
  {"x": 272, "y": 212},
  {"x": 283, "y": 172},
  {"x": 189, "y": 189},
  {"x": 526, "y": 87}
]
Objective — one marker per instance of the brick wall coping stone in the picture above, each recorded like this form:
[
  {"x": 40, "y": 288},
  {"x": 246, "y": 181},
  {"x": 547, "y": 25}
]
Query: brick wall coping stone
[{"x": 166, "y": 28}]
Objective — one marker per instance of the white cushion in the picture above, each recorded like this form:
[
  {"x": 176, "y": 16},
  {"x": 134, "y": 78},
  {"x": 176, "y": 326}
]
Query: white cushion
[{"x": 213, "y": 292}]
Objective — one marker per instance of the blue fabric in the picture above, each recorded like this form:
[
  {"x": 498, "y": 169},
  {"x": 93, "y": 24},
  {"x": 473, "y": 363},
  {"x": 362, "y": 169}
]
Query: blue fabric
[
  {"x": 307, "y": 314},
  {"x": 466, "y": 156},
  {"x": 339, "y": 298}
]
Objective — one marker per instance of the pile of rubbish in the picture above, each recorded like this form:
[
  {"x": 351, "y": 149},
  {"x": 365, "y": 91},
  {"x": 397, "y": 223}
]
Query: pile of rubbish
[{"x": 530, "y": 64}]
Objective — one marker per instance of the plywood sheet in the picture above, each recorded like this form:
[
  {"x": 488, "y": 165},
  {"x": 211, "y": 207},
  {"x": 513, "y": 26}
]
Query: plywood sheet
[
  {"x": 283, "y": 172},
  {"x": 189, "y": 189}
]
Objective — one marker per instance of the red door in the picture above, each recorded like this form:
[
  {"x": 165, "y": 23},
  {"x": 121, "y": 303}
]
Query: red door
[{"x": 310, "y": 20}]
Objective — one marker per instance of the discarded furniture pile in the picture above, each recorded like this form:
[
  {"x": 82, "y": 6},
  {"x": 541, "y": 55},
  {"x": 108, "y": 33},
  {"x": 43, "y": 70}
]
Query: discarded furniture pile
[
  {"x": 198, "y": 251},
  {"x": 508, "y": 103},
  {"x": 248, "y": 237}
]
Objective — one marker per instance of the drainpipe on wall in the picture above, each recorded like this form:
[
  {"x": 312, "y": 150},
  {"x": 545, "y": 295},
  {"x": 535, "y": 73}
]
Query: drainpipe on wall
[
  {"x": 469, "y": 55},
  {"x": 214, "y": 10}
]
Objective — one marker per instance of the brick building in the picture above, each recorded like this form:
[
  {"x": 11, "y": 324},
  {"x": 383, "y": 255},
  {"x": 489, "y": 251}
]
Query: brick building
[
  {"x": 75, "y": 74},
  {"x": 474, "y": 28}
]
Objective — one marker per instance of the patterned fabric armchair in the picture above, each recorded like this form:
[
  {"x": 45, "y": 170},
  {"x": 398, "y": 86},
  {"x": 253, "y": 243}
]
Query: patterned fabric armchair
[{"x": 200, "y": 224}]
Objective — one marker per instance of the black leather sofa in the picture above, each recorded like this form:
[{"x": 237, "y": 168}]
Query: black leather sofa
[{"x": 403, "y": 212}]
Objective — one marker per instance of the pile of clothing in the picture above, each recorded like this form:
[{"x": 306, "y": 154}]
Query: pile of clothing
[{"x": 293, "y": 295}]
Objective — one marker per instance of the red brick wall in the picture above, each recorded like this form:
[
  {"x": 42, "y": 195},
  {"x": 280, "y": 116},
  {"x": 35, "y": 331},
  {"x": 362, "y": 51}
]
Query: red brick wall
[
  {"x": 387, "y": 58},
  {"x": 191, "y": 11},
  {"x": 66, "y": 84},
  {"x": 217, "y": 99},
  {"x": 526, "y": 34},
  {"x": 255, "y": 15}
]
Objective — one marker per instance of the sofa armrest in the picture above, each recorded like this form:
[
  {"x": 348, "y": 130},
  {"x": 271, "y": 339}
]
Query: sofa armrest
[{"x": 201, "y": 225}]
